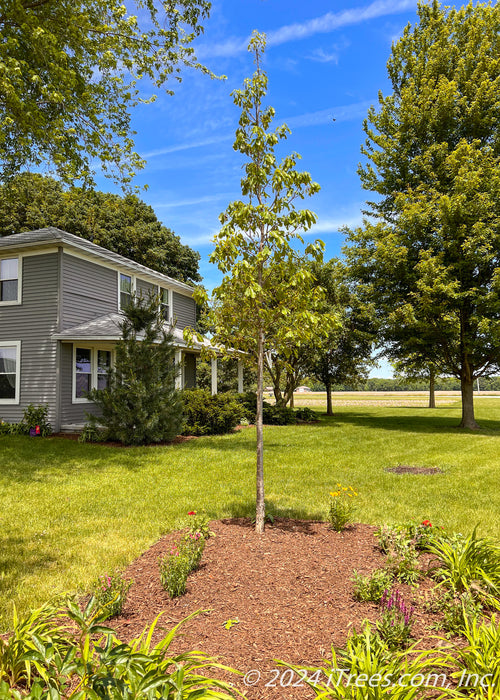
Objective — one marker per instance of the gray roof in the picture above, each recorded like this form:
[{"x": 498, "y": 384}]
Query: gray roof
[
  {"x": 52, "y": 235},
  {"x": 107, "y": 327}
]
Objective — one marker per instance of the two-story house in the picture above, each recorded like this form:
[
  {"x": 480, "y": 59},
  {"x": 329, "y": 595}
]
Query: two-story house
[{"x": 60, "y": 310}]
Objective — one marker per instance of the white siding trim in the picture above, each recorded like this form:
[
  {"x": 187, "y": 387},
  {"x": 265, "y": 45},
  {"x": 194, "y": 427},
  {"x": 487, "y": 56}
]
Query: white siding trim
[{"x": 13, "y": 344}]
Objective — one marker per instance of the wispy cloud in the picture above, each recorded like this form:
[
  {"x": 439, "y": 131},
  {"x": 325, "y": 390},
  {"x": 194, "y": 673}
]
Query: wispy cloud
[
  {"x": 321, "y": 56},
  {"x": 318, "y": 25},
  {"x": 334, "y": 224},
  {"x": 341, "y": 113},
  {"x": 188, "y": 145},
  {"x": 193, "y": 201}
]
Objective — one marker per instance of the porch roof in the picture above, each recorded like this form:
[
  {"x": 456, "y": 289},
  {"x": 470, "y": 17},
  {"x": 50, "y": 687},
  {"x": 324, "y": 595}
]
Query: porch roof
[{"x": 108, "y": 328}]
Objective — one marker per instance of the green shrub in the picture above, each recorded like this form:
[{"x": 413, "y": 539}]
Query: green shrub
[
  {"x": 210, "y": 415},
  {"x": 110, "y": 591},
  {"x": 278, "y": 415},
  {"x": 371, "y": 588},
  {"x": 176, "y": 566},
  {"x": 399, "y": 544},
  {"x": 7, "y": 428},
  {"x": 459, "y": 610},
  {"x": 33, "y": 416},
  {"x": 91, "y": 433},
  {"x": 306, "y": 414}
]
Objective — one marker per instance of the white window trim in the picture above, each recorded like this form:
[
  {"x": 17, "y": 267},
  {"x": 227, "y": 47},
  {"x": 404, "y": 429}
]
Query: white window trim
[
  {"x": 13, "y": 344},
  {"x": 170, "y": 302},
  {"x": 93, "y": 367},
  {"x": 133, "y": 285},
  {"x": 19, "y": 280}
]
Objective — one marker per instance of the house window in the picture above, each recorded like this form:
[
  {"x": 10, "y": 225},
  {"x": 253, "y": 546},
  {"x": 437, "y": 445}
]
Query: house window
[
  {"x": 125, "y": 290},
  {"x": 165, "y": 304},
  {"x": 9, "y": 372},
  {"x": 103, "y": 367},
  {"x": 91, "y": 371},
  {"x": 9, "y": 280},
  {"x": 83, "y": 372}
]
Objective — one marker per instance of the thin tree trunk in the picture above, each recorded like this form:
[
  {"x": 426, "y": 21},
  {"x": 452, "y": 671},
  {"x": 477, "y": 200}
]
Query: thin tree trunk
[
  {"x": 329, "y": 406},
  {"x": 467, "y": 388},
  {"x": 260, "y": 513},
  {"x": 432, "y": 393},
  {"x": 292, "y": 404}
]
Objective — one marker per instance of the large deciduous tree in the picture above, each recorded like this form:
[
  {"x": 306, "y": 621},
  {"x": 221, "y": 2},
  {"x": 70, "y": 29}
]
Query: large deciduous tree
[
  {"x": 265, "y": 284},
  {"x": 124, "y": 224},
  {"x": 69, "y": 71},
  {"x": 430, "y": 257}
]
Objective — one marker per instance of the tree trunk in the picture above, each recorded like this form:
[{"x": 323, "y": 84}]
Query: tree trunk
[
  {"x": 260, "y": 513},
  {"x": 467, "y": 388},
  {"x": 292, "y": 404},
  {"x": 329, "y": 407},
  {"x": 432, "y": 393}
]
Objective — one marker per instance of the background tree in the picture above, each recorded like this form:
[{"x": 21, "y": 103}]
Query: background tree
[
  {"x": 68, "y": 76},
  {"x": 414, "y": 369},
  {"x": 124, "y": 224},
  {"x": 344, "y": 355},
  {"x": 262, "y": 275},
  {"x": 430, "y": 258},
  {"x": 141, "y": 404}
]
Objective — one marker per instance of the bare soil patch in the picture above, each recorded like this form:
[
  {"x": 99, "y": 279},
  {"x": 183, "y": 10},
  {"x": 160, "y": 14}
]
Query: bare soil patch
[
  {"x": 290, "y": 590},
  {"x": 409, "y": 469}
]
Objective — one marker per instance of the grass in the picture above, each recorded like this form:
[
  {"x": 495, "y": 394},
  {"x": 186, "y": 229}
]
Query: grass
[{"x": 71, "y": 512}]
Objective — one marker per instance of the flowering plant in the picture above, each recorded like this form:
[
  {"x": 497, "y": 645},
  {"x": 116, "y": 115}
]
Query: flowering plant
[
  {"x": 110, "y": 591},
  {"x": 183, "y": 558},
  {"x": 199, "y": 523},
  {"x": 341, "y": 507},
  {"x": 396, "y": 622}
]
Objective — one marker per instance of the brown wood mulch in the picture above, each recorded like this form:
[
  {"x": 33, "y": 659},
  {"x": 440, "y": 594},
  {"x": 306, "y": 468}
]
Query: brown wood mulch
[{"x": 290, "y": 590}]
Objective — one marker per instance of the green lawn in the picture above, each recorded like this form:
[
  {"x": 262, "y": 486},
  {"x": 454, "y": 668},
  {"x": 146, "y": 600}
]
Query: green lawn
[{"x": 71, "y": 511}]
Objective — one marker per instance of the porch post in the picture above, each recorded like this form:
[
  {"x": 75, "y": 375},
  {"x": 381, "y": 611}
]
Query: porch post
[
  {"x": 178, "y": 365},
  {"x": 214, "y": 375},
  {"x": 240, "y": 377}
]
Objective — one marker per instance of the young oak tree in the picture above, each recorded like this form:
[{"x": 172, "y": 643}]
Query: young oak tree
[
  {"x": 69, "y": 71},
  {"x": 430, "y": 257},
  {"x": 264, "y": 288}
]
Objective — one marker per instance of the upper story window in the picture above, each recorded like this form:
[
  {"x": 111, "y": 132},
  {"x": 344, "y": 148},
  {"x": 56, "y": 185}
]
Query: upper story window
[
  {"x": 9, "y": 280},
  {"x": 165, "y": 304},
  {"x": 125, "y": 290},
  {"x": 9, "y": 372}
]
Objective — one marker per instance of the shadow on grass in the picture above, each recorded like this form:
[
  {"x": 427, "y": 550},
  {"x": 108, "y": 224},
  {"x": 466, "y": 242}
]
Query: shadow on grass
[
  {"x": 246, "y": 510},
  {"x": 413, "y": 424}
]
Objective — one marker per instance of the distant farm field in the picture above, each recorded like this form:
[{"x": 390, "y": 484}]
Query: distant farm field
[{"x": 317, "y": 399}]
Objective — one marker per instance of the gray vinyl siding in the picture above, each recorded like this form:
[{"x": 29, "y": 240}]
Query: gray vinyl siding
[
  {"x": 189, "y": 371},
  {"x": 88, "y": 291},
  {"x": 145, "y": 290},
  {"x": 71, "y": 413},
  {"x": 184, "y": 311},
  {"x": 33, "y": 322}
]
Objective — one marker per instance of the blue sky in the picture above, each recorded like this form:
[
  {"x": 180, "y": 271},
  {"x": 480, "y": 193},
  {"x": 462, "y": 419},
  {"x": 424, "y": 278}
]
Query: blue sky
[{"x": 325, "y": 60}]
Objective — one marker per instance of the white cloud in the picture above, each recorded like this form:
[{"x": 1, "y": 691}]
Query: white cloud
[
  {"x": 333, "y": 225},
  {"x": 321, "y": 56},
  {"x": 192, "y": 202},
  {"x": 318, "y": 25},
  {"x": 186, "y": 146}
]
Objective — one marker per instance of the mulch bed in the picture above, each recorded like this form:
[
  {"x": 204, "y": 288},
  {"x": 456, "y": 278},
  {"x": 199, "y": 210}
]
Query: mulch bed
[{"x": 290, "y": 589}]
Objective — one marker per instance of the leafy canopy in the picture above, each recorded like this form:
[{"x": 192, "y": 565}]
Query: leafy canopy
[
  {"x": 123, "y": 224},
  {"x": 70, "y": 71},
  {"x": 430, "y": 256}
]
